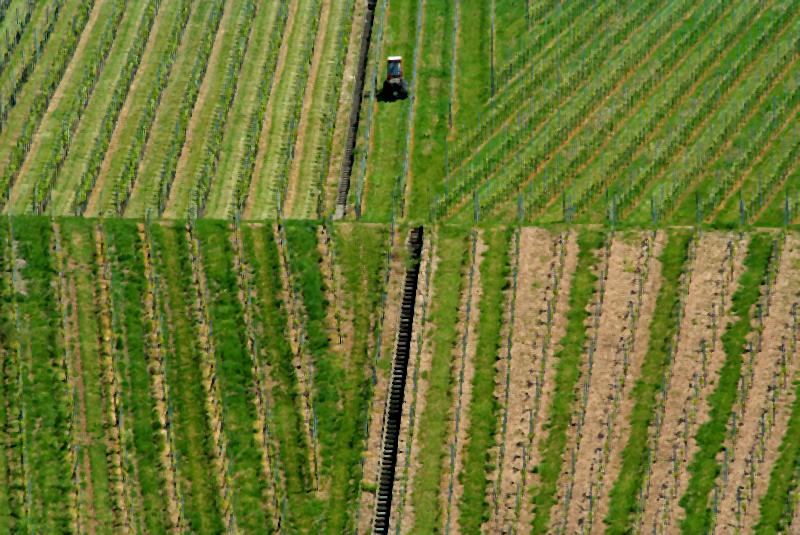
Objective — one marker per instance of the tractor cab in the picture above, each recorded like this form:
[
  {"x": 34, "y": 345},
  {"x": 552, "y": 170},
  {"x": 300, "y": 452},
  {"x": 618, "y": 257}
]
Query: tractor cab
[
  {"x": 394, "y": 86},
  {"x": 394, "y": 67}
]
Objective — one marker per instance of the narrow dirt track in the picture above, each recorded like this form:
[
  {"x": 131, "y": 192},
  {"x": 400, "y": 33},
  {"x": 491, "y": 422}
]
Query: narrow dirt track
[
  {"x": 640, "y": 346},
  {"x": 535, "y": 291},
  {"x": 686, "y": 407},
  {"x": 545, "y": 379},
  {"x": 464, "y": 372},
  {"x": 402, "y": 515},
  {"x": 627, "y": 263},
  {"x": 767, "y": 385}
]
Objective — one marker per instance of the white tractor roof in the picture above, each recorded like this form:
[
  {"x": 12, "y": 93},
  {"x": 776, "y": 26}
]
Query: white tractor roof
[{"x": 395, "y": 58}]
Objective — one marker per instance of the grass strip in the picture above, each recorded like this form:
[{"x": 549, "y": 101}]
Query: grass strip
[
  {"x": 285, "y": 419},
  {"x": 46, "y": 394},
  {"x": 776, "y": 504},
  {"x": 494, "y": 269},
  {"x": 710, "y": 437},
  {"x": 144, "y": 440},
  {"x": 568, "y": 370},
  {"x": 435, "y": 422},
  {"x": 235, "y": 374},
  {"x": 663, "y": 328},
  {"x": 189, "y": 419}
]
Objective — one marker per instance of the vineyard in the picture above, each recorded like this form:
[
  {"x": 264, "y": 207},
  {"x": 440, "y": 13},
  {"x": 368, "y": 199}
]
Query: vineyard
[
  {"x": 554, "y": 288},
  {"x": 222, "y": 377}
]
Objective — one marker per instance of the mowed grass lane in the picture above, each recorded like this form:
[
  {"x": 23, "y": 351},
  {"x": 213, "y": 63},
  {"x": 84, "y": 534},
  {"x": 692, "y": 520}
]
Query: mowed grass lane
[
  {"x": 135, "y": 25},
  {"x": 22, "y": 113},
  {"x": 249, "y": 103},
  {"x": 126, "y": 147},
  {"x": 162, "y": 131},
  {"x": 238, "y": 14},
  {"x": 43, "y": 153},
  {"x": 312, "y": 150}
]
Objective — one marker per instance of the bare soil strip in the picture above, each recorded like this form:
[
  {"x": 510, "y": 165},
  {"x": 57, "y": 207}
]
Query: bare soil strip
[
  {"x": 380, "y": 391},
  {"x": 464, "y": 371},
  {"x": 609, "y": 366},
  {"x": 544, "y": 366},
  {"x": 155, "y": 354},
  {"x": 767, "y": 407},
  {"x": 538, "y": 260},
  {"x": 718, "y": 265},
  {"x": 402, "y": 515},
  {"x": 641, "y": 341}
]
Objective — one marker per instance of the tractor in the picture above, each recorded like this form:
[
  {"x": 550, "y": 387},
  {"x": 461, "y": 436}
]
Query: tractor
[{"x": 394, "y": 87}]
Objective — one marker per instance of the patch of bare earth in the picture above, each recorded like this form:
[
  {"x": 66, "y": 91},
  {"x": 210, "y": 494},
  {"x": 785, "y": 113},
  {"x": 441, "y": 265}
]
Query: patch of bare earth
[
  {"x": 380, "y": 391},
  {"x": 693, "y": 375},
  {"x": 308, "y": 96},
  {"x": 610, "y": 363},
  {"x": 401, "y": 518},
  {"x": 768, "y": 405},
  {"x": 536, "y": 267},
  {"x": 544, "y": 369},
  {"x": 641, "y": 341},
  {"x": 465, "y": 372}
]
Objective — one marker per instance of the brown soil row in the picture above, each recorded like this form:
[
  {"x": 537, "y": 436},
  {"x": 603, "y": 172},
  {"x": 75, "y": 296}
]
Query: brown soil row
[
  {"x": 641, "y": 341},
  {"x": 754, "y": 443},
  {"x": 155, "y": 355},
  {"x": 261, "y": 374},
  {"x": 421, "y": 351},
  {"x": 119, "y": 478},
  {"x": 626, "y": 267},
  {"x": 544, "y": 367},
  {"x": 380, "y": 391},
  {"x": 565, "y": 483},
  {"x": 464, "y": 370},
  {"x": 537, "y": 266},
  {"x": 715, "y": 273}
]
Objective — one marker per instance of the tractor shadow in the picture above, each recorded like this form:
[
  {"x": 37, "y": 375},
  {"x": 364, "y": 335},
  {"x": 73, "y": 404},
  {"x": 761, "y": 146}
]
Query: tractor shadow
[{"x": 392, "y": 92}]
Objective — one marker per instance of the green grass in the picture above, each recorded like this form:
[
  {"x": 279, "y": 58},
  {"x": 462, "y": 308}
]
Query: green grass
[
  {"x": 663, "y": 327},
  {"x": 776, "y": 507},
  {"x": 710, "y": 437},
  {"x": 483, "y": 409},
  {"x": 472, "y": 63},
  {"x": 235, "y": 375},
  {"x": 435, "y": 422},
  {"x": 189, "y": 420},
  {"x": 143, "y": 440},
  {"x": 79, "y": 246},
  {"x": 567, "y": 368},
  {"x": 286, "y": 422},
  {"x": 46, "y": 395}
]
